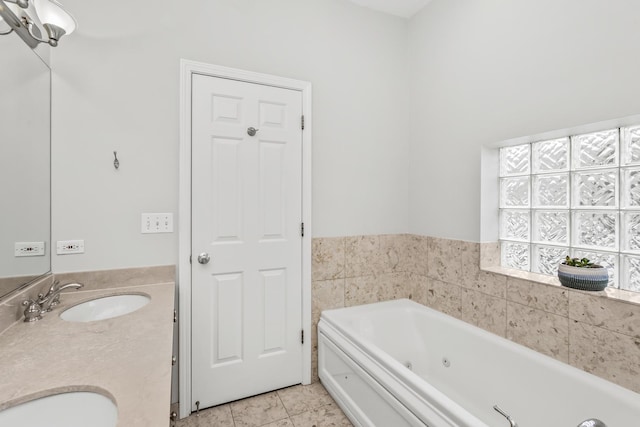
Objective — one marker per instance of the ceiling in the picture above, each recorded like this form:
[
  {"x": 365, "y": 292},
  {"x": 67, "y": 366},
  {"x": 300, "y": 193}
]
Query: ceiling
[{"x": 403, "y": 8}]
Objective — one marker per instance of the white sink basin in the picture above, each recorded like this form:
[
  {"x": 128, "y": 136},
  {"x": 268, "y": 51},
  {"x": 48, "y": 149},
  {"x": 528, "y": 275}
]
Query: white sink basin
[
  {"x": 104, "y": 308},
  {"x": 76, "y": 409}
]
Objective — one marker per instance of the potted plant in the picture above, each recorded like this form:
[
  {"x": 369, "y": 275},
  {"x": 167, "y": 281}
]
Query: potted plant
[{"x": 582, "y": 274}]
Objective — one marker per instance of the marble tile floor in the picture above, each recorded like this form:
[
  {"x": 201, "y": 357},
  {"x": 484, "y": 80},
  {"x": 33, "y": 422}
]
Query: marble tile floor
[{"x": 296, "y": 406}]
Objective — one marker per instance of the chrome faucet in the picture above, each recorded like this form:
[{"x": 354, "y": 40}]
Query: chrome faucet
[
  {"x": 512, "y": 422},
  {"x": 52, "y": 297},
  {"x": 35, "y": 308}
]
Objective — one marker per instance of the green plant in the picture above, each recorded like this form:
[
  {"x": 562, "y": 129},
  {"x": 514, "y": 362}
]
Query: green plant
[{"x": 577, "y": 262}]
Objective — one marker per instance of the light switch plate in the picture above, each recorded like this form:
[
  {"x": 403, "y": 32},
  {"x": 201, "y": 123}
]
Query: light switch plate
[{"x": 156, "y": 223}]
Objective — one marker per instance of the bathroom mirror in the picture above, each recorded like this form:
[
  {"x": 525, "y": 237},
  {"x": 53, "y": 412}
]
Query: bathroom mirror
[{"x": 25, "y": 165}]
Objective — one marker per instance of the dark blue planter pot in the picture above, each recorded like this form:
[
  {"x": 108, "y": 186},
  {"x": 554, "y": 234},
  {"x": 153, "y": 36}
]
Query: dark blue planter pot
[{"x": 584, "y": 278}]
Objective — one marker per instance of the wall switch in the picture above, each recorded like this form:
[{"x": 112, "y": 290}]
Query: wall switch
[
  {"x": 157, "y": 223},
  {"x": 29, "y": 249},
  {"x": 66, "y": 247}
]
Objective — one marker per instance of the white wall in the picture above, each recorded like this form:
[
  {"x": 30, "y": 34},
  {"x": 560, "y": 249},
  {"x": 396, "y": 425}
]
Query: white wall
[
  {"x": 478, "y": 72},
  {"x": 116, "y": 88},
  {"x": 486, "y": 71}
]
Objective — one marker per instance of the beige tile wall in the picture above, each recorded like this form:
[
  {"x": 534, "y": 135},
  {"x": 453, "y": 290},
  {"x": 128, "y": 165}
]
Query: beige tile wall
[
  {"x": 587, "y": 330},
  {"x": 357, "y": 270}
]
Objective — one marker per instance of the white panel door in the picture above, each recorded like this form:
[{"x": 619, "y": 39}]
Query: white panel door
[{"x": 246, "y": 215}]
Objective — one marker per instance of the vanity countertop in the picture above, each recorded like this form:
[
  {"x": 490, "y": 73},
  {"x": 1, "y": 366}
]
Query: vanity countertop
[{"x": 127, "y": 358}]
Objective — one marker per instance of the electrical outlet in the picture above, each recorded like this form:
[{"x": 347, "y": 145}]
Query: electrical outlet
[
  {"x": 156, "y": 223},
  {"x": 66, "y": 247},
  {"x": 29, "y": 249}
]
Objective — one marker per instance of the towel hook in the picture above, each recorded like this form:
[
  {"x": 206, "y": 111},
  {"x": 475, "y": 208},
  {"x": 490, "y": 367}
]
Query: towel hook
[{"x": 116, "y": 162}]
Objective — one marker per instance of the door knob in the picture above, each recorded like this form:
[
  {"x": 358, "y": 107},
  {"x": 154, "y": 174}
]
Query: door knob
[
  {"x": 204, "y": 258},
  {"x": 252, "y": 131}
]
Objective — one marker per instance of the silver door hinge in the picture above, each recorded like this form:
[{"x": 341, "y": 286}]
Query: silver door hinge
[
  {"x": 175, "y": 316},
  {"x": 189, "y": 259},
  {"x": 302, "y": 336},
  {"x": 302, "y": 122},
  {"x": 302, "y": 229}
]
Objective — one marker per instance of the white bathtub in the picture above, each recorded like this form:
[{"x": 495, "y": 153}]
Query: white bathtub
[{"x": 398, "y": 363}]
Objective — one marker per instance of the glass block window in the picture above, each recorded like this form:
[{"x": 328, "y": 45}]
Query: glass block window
[{"x": 578, "y": 196}]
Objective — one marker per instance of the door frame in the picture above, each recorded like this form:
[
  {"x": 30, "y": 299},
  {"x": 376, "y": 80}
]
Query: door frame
[{"x": 187, "y": 69}]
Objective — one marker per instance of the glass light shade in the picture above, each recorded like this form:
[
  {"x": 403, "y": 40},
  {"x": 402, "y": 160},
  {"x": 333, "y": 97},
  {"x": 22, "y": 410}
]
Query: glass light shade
[{"x": 52, "y": 13}]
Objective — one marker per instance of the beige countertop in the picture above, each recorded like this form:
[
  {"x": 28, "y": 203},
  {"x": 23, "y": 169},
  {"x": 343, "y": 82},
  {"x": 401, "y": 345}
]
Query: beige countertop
[{"x": 127, "y": 358}]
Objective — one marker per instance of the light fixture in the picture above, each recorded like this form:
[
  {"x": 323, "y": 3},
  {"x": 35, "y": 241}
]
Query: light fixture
[{"x": 28, "y": 18}]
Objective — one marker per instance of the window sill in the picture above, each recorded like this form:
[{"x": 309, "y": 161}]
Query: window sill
[{"x": 543, "y": 279}]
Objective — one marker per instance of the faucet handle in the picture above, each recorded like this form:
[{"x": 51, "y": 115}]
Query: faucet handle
[
  {"x": 33, "y": 310},
  {"x": 54, "y": 286},
  {"x": 55, "y": 295},
  {"x": 42, "y": 297}
]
